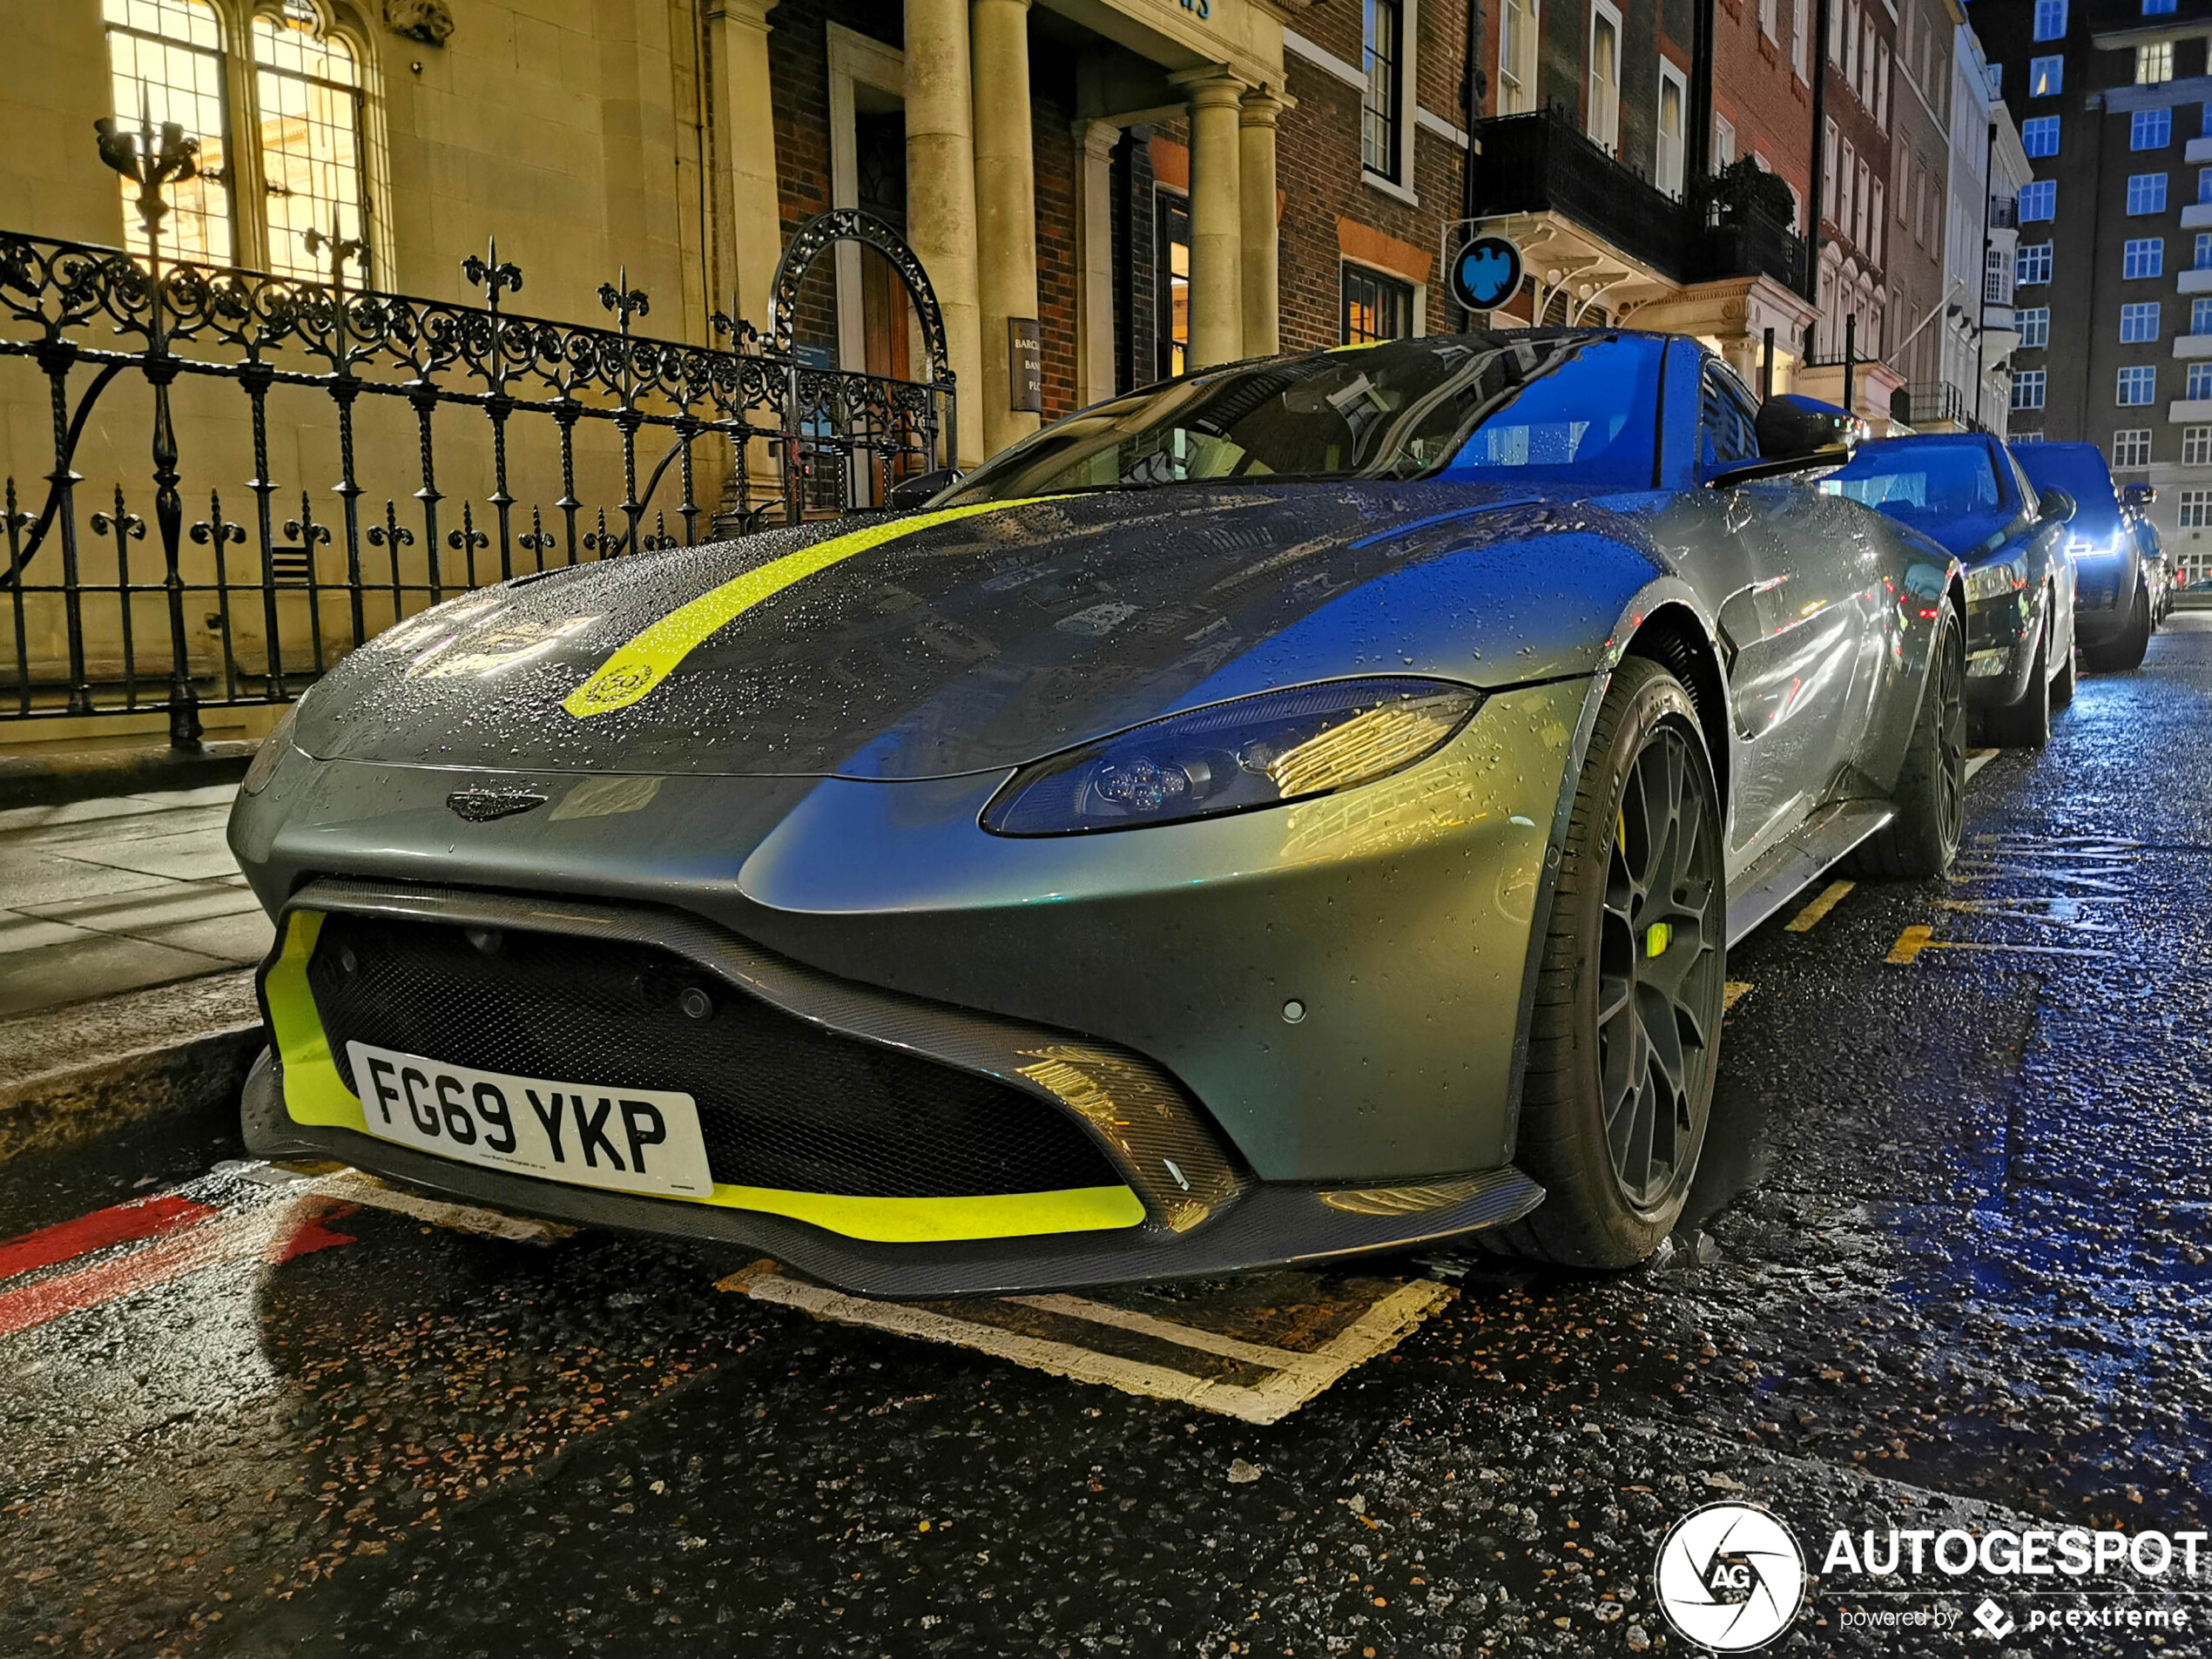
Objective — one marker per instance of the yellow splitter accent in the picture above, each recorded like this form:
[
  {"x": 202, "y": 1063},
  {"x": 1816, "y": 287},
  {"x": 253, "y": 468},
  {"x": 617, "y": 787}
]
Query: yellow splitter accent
[
  {"x": 315, "y": 1094},
  {"x": 650, "y": 657}
]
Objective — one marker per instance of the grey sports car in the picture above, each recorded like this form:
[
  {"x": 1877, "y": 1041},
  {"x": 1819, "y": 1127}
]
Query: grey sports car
[{"x": 1294, "y": 811}]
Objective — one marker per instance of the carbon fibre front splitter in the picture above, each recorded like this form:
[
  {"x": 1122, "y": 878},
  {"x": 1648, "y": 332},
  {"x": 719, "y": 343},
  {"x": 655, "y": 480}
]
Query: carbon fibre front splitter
[{"x": 1267, "y": 1226}]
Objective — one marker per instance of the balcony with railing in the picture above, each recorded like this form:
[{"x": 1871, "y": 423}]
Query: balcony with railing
[
  {"x": 1539, "y": 163},
  {"x": 2004, "y": 213}
]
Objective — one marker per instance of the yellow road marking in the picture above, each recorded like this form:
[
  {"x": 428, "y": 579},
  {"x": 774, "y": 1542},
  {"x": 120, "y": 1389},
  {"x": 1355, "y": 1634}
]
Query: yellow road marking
[
  {"x": 1809, "y": 918},
  {"x": 1976, "y": 759},
  {"x": 1913, "y": 941},
  {"x": 1734, "y": 992},
  {"x": 651, "y": 655},
  {"x": 1910, "y": 944}
]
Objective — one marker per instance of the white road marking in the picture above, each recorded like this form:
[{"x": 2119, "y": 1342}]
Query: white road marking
[
  {"x": 355, "y": 1187},
  {"x": 1297, "y": 1377},
  {"x": 1806, "y": 919}
]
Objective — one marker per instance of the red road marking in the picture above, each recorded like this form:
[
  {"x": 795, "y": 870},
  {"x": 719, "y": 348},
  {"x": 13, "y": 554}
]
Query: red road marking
[
  {"x": 122, "y": 1224},
  {"x": 275, "y": 1232}
]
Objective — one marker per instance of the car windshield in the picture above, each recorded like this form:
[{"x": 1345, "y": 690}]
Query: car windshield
[
  {"x": 1936, "y": 487},
  {"x": 1492, "y": 407}
]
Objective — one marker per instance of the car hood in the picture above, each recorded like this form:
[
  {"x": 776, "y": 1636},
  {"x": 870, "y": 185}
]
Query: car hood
[{"x": 945, "y": 643}]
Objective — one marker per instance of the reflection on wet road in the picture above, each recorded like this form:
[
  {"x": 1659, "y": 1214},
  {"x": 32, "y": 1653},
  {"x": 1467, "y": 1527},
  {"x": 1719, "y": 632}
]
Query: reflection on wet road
[{"x": 1950, "y": 1262}]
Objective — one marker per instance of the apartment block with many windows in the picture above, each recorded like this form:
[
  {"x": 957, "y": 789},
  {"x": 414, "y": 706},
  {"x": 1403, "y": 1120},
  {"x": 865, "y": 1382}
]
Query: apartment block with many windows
[{"x": 2112, "y": 272}]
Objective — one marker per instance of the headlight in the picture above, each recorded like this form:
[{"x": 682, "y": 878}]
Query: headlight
[
  {"x": 1255, "y": 751},
  {"x": 1995, "y": 581},
  {"x": 273, "y": 749}
]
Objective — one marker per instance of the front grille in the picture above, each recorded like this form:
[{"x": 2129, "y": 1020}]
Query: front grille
[{"x": 782, "y": 1104}]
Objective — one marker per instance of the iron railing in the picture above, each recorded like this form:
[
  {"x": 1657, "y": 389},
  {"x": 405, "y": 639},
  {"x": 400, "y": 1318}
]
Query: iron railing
[
  {"x": 796, "y": 439},
  {"x": 1540, "y": 162},
  {"x": 1935, "y": 403}
]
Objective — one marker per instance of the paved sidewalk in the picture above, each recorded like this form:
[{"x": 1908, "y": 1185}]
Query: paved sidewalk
[{"x": 101, "y": 896}]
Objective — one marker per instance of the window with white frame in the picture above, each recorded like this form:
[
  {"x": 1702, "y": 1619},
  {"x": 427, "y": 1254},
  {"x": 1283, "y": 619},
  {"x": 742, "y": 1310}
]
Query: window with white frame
[
  {"x": 1875, "y": 228},
  {"x": 1771, "y": 20},
  {"x": 2199, "y": 381},
  {"x": 2203, "y": 257},
  {"x": 1993, "y": 278},
  {"x": 1847, "y": 42},
  {"x": 2038, "y": 200},
  {"x": 2158, "y": 8},
  {"x": 2146, "y": 193},
  {"x": 2195, "y": 510},
  {"x": 1859, "y": 204},
  {"x": 1375, "y": 306},
  {"x": 2039, "y": 135},
  {"x": 2031, "y": 264},
  {"x": 2196, "y": 445},
  {"x": 1828, "y": 164},
  {"x": 1519, "y": 23},
  {"x": 1882, "y": 87},
  {"x": 2201, "y": 316},
  {"x": 2142, "y": 256},
  {"x": 2138, "y": 385},
  {"x": 1602, "y": 118},
  {"x": 2028, "y": 389},
  {"x": 1382, "y": 118},
  {"x": 2154, "y": 63},
  {"x": 2035, "y": 324},
  {"x": 2024, "y": 437},
  {"x": 2150, "y": 129},
  {"x": 2045, "y": 76},
  {"x": 2131, "y": 447},
  {"x": 1800, "y": 32},
  {"x": 2204, "y": 185},
  {"x": 2138, "y": 322},
  {"x": 1724, "y": 141},
  {"x": 1673, "y": 107},
  {"x": 304, "y": 112},
  {"x": 2050, "y": 19}
]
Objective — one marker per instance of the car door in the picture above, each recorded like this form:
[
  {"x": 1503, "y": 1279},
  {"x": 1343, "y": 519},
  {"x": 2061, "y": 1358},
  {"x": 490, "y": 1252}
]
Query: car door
[{"x": 1803, "y": 652}]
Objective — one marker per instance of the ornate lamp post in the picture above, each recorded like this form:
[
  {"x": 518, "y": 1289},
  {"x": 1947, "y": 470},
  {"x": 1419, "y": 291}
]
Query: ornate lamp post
[{"x": 153, "y": 158}]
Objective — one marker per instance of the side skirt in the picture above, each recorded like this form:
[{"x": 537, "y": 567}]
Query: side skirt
[{"x": 1792, "y": 864}]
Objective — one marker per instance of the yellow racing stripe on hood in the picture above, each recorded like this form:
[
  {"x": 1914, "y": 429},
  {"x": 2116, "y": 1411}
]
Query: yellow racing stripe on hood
[{"x": 647, "y": 658}]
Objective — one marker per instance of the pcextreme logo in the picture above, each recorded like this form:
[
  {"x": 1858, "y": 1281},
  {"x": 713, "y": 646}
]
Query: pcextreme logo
[{"x": 1729, "y": 1577}]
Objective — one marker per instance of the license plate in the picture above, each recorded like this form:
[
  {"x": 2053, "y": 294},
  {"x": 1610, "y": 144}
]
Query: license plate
[{"x": 630, "y": 1140}]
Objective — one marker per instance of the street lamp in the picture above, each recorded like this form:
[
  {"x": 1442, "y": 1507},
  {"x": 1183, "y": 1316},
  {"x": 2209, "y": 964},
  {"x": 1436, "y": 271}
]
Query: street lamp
[{"x": 154, "y": 157}]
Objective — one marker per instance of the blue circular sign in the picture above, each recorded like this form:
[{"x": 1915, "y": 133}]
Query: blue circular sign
[{"x": 1486, "y": 273}]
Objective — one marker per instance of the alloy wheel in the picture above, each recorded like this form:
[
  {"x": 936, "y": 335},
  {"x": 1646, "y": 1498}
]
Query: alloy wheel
[{"x": 1660, "y": 961}]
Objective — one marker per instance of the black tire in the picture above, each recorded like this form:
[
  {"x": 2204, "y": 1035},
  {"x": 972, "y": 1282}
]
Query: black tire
[
  {"x": 2027, "y": 723},
  {"x": 1622, "y": 1052},
  {"x": 1931, "y": 796},
  {"x": 2125, "y": 650},
  {"x": 2062, "y": 683}
]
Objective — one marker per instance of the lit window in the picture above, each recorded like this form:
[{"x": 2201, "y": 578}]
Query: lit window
[
  {"x": 2199, "y": 381},
  {"x": 2139, "y": 383},
  {"x": 2196, "y": 509},
  {"x": 2039, "y": 135},
  {"x": 2039, "y": 199},
  {"x": 2158, "y": 8},
  {"x": 1171, "y": 268},
  {"x": 2045, "y": 76},
  {"x": 2203, "y": 250},
  {"x": 2027, "y": 389},
  {"x": 1379, "y": 145},
  {"x": 2138, "y": 323},
  {"x": 2201, "y": 316},
  {"x": 2147, "y": 192},
  {"x": 1674, "y": 96},
  {"x": 2035, "y": 324},
  {"x": 308, "y": 91},
  {"x": 2154, "y": 63},
  {"x": 2196, "y": 445},
  {"x": 166, "y": 56},
  {"x": 2142, "y": 257},
  {"x": 2050, "y": 19},
  {"x": 2150, "y": 129},
  {"x": 1375, "y": 306},
  {"x": 2131, "y": 447},
  {"x": 1603, "y": 121},
  {"x": 2031, "y": 264}
]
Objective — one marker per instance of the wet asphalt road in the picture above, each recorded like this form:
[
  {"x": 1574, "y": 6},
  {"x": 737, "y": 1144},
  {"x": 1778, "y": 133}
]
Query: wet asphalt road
[{"x": 1956, "y": 1225}]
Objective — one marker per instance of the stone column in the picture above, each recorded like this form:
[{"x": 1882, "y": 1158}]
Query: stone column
[
  {"x": 1006, "y": 205},
  {"x": 1256, "y": 185},
  {"x": 1217, "y": 227},
  {"x": 738, "y": 35},
  {"x": 1095, "y": 142},
  {"x": 941, "y": 194}
]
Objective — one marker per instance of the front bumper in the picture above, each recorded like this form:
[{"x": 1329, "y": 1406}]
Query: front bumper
[
  {"x": 2002, "y": 634},
  {"x": 1202, "y": 1212}
]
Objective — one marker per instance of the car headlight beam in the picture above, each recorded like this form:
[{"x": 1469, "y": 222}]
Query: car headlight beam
[{"x": 1233, "y": 757}]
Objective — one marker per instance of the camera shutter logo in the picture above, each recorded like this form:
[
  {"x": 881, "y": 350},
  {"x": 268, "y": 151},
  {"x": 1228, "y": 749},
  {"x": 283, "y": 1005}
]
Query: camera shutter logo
[{"x": 1729, "y": 1577}]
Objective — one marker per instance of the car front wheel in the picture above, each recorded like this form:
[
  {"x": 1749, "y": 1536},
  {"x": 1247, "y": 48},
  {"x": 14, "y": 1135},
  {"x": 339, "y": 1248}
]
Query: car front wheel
[
  {"x": 1626, "y": 1026},
  {"x": 1930, "y": 794}
]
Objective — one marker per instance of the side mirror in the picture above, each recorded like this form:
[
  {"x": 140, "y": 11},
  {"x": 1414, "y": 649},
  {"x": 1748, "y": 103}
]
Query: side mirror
[
  {"x": 2055, "y": 504},
  {"x": 917, "y": 491},
  {"x": 1791, "y": 428},
  {"x": 2137, "y": 496}
]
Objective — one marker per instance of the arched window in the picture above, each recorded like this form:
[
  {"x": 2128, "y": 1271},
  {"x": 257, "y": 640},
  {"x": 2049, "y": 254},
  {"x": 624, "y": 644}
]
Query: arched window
[
  {"x": 301, "y": 101},
  {"x": 166, "y": 60},
  {"x": 307, "y": 96}
]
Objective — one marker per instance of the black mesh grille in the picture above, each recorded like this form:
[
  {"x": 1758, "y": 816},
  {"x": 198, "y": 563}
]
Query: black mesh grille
[{"x": 782, "y": 1104}]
